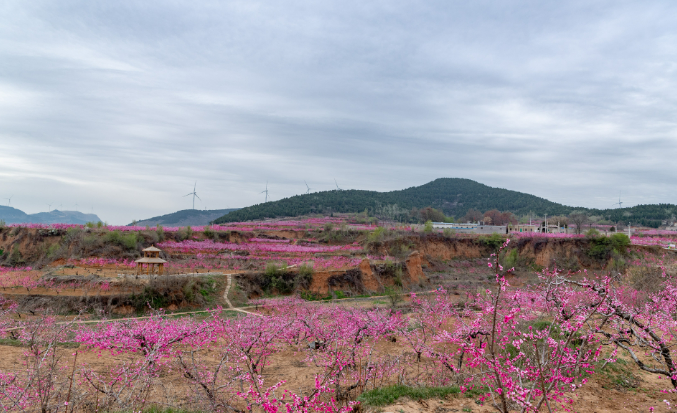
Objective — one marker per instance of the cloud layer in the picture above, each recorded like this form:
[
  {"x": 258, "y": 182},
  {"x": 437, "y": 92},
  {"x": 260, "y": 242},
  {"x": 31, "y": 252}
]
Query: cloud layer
[{"x": 120, "y": 107}]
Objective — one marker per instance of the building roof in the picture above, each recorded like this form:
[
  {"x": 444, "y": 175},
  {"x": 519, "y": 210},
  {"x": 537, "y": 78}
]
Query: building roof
[
  {"x": 150, "y": 260},
  {"x": 152, "y": 249}
]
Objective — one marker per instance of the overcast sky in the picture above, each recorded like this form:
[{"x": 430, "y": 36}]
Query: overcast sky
[{"x": 119, "y": 107}]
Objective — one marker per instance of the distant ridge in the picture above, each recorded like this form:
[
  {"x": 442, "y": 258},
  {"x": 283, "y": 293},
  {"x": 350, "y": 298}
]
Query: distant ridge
[
  {"x": 454, "y": 196},
  {"x": 186, "y": 217},
  {"x": 16, "y": 216}
]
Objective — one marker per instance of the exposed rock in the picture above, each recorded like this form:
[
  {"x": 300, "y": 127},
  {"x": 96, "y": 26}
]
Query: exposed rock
[
  {"x": 368, "y": 279},
  {"x": 124, "y": 310},
  {"x": 414, "y": 267}
]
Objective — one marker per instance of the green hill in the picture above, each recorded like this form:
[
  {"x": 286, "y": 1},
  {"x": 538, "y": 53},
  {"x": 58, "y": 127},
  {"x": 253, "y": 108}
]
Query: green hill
[
  {"x": 186, "y": 217},
  {"x": 454, "y": 196}
]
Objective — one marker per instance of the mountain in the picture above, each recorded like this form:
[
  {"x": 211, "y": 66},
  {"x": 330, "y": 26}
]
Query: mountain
[
  {"x": 16, "y": 216},
  {"x": 12, "y": 215},
  {"x": 186, "y": 217},
  {"x": 454, "y": 196}
]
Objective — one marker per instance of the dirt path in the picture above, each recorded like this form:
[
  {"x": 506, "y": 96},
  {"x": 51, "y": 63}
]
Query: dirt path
[
  {"x": 227, "y": 301},
  {"x": 229, "y": 305}
]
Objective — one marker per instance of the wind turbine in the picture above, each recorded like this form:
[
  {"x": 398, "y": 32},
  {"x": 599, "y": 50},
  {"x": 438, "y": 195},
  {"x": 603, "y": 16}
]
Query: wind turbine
[
  {"x": 619, "y": 203},
  {"x": 309, "y": 188},
  {"x": 49, "y": 207},
  {"x": 194, "y": 194},
  {"x": 9, "y": 200},
  {"x": 266, "y": 191},
  {"x": 337, "y": 187}
]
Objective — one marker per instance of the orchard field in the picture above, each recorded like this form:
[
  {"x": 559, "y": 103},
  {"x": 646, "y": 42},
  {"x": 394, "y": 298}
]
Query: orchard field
[{"x": 334, "y": 314}]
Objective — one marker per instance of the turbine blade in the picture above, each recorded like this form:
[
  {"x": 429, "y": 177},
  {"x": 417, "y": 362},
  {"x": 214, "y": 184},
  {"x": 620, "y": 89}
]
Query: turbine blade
[{"x": 198, "y": 197}]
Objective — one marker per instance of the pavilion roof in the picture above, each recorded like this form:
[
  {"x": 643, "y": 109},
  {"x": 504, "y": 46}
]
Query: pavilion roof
[
  {"x": 152, "y": 249},
  {"x": 150, "y": 260}
]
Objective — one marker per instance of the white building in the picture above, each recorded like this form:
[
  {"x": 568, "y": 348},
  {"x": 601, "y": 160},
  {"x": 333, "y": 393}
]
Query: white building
[{"x": 470, "y": 228}]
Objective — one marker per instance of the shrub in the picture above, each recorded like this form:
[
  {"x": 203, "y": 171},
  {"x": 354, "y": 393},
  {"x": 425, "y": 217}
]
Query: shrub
[
  {"x": 15, "y": 257},
  {"x": 276, "y": 278},
  {"x": 184, "y": 233},
  {"x": 401, "y": 249},
  {"x": 394, "y": 295},
  {"x": 272, "y": 270},
  {"x": 209, "y": 233},
  {"x": 620, "y": 243},
  {"x": 328, "y": 226},
  {"x": 428, "y": 227},
  {"x": 338, "y": 295},
  {"x": 160, "y": 233},
  {"x": 617, "y": 263},
  {"x": 376, "y": 235},
  {"x": 592, "y": 233},
  {"x": 92, "y": 242},
  {"x": 448, "y": 233},
  {"x": 398, "y": 276},
  {"x": 127, "y": 241},
  {"x": 602, "y": 247},
  {"x": 493, "y": 241},
  {"x": 165, "y": 290},
  {"x": 305, "y": 276},
  {"x": 511, "y": 258}
]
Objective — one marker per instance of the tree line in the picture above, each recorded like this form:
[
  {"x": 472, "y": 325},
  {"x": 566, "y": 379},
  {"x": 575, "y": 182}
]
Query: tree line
[{"x": 453, "y": 197}]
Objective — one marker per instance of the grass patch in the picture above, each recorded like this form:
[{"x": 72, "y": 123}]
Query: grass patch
[
  {"x": 156, "y": 409},
  {"x": 618, "y": 375},
  {"x": 18, "y": 343},
  {"x": 384, "y": 396},
  {"x": 10, "y": 342},
  {"x": 311, "y": 296}
]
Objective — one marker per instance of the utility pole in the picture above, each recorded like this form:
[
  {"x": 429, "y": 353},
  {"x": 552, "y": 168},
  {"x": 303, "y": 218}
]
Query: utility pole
[{"x": 546, "y": 223}]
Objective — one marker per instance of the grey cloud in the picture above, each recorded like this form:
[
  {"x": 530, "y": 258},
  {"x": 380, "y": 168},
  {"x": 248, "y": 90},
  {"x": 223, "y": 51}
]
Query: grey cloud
[{"x": 121, "y": 106}]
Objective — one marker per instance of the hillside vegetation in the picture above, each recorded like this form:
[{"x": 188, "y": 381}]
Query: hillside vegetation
[{"x": 454, "y": 196}]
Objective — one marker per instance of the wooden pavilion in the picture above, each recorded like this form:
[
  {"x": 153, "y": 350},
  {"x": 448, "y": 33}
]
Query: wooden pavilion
[{"x": 151, "y": 257}]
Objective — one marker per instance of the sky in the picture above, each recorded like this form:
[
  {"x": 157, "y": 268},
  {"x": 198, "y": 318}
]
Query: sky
[{"x": 118, "y": 108}]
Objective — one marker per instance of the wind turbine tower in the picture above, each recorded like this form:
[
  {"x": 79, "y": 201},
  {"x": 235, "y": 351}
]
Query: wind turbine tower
[
  {"x": 266, "y": 191},
  {"x": 619, "y": 203},
  {"x": 9, "y": 200},
  {"x": 337, "y": 187},
  {"x": 309, "y": 188},
  {"x": 194, "y": 193}
]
